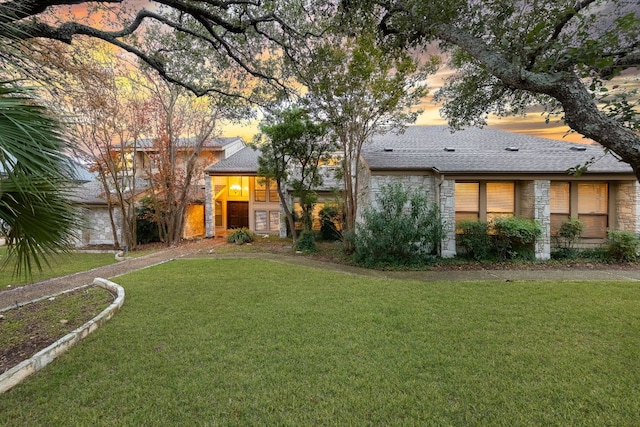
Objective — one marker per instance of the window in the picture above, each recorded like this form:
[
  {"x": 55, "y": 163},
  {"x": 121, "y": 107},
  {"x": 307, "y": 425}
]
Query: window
[
  {"x": 274, "y": 220},
  {"x": 273, "y": 191},
  {"x": 261, "y": 190},
  {"x": 500, "y": 199},
  {"x": 593, "y": 203},
  {"x": 467, "y": 200},
  {"x": 266, "y": 190},
  {"x": 559, "y": 205},
  {"x": 484, "y": 200},
  {"x": 587, "y": 201},
  {"x": 261, "y": 221},
  {"x": 273, "y": 223}
]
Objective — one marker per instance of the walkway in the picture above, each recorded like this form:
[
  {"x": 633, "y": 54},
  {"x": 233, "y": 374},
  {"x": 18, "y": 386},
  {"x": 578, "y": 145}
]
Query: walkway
[
  {"x": 30, "y": 292},
  {"x": 206, "y": 249}
]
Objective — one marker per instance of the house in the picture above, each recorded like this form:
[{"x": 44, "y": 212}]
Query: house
[
  {"x": 90, "y": 197},
  {"x": 474, "y": 173},
  {"x": 212, "y": 152},
  {"x": 237, "y": 197},
  {"x": 484, "y": 173},
  {"x": 95, "y": 225}
]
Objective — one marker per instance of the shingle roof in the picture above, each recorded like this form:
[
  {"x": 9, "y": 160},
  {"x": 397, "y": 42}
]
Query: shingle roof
[
  {"x": 92, "y": 192},
  {"x": 244, "y": 161},
  {"x": 482, "y": 151},
  {"x": 212, "y": 144}
]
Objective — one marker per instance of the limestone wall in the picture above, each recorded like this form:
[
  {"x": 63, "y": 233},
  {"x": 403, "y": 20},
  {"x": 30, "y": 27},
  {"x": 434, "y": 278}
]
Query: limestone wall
[{"x": 627, "y": 204}]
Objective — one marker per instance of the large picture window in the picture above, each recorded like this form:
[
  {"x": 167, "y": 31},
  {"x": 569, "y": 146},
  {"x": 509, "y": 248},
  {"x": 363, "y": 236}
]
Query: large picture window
[
  {"x": 588, "y": 201},
  {"x": 484, "y": 200}
]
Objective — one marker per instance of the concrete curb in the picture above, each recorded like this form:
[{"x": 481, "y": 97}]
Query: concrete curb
[{"x": 20, "y": 372}]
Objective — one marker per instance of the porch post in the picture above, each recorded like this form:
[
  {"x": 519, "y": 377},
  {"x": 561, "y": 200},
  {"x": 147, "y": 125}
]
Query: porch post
[
  {"x": 447, "y": 203},
  {"x": 542, "y": 214},
  {"x": 209, "y": 224}
]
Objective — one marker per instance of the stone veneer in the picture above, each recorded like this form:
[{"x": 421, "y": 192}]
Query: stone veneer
[
  {"x": 208, "y": 208},
  {"x": 628, "y": 206},
  {"x": 447, "y": 201},
  {"x": 542, "y": 214},
  {"x": 98, "y": 230}
]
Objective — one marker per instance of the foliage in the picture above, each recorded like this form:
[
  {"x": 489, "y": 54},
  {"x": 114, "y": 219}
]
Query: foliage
[
  {"x": 35, "y": 181},
  {"x": 515, "y": 237},
  {"x": 570, "y": 232},
  {"x": 292, "y": 146},
  {"x": 306, "y": 242},
  {"x": 404, "y": 229},
  {"x": 475, "y": 239},
  {"x": 241, "y": 236},
  {"x": 329, "y": 218},
  {"x": 146, "y": 228},
  {"x": 360, "y": 90},
  {"x": 622, "y": 245}
]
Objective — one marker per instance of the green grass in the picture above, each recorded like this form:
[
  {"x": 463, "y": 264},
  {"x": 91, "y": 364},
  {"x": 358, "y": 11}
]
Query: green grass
[
  {"x": 238, "y": 342},
  {"x": 60, "y": 265}
]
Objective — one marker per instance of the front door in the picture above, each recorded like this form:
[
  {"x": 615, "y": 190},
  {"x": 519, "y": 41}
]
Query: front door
[{"x": 237, "y": 214}]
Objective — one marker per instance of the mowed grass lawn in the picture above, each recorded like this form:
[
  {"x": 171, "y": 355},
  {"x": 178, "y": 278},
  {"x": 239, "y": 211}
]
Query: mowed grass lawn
[
  {"x": 251, "y": 342},
  {"x": 59, "y": 265}
]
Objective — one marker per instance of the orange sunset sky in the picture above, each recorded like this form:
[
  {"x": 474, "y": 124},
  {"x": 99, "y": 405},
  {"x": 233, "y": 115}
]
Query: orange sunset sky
[{"x": 532, "y": 124}]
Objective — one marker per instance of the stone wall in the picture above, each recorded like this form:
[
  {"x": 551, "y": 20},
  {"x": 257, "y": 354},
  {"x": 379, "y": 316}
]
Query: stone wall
[
  {"x": 97, "y": 227},
  {"x": 447, "y": 201},
  {"x": 627, "y": 206},
  {"x": 542, "y": 214},
  {"x": 208, "y": 207}
]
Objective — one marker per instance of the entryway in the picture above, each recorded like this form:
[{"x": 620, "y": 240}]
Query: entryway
[{"x": 237, "y": 214}]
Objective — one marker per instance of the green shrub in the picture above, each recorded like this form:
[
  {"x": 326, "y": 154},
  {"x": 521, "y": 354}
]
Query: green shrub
[
  {"x": 147, "y": 230},
  {"x": 475, "y": 240},
  {"x": 241, "y": 236},
  {"x": 329, "y": 218},
  {"x": 570, "y": 232},
  {"x": 406, "y": 229},
  {"x": 622, "y": 245},
  {"x": 306, "y": 242},
  {"x": 515, "y": 237}
]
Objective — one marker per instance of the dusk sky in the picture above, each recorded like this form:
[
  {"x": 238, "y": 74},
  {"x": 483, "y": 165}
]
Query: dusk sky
[{"x": 532, "y": 124}]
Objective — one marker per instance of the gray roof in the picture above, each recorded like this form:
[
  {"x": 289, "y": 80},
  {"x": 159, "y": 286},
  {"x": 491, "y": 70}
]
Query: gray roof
[
  {"x": 245, "y": 161},
  {"x": 92, "y": 192},
  {"x": 212, "y": 144},
  {"x": 482, "y": 151}
]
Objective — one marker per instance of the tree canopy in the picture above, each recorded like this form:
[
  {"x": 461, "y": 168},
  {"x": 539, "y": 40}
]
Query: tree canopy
[{"x": 510, "y": 55}]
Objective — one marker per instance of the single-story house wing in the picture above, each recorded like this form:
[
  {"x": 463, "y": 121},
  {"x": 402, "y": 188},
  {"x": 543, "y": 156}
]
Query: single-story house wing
[{"x": 484, "y": 173}]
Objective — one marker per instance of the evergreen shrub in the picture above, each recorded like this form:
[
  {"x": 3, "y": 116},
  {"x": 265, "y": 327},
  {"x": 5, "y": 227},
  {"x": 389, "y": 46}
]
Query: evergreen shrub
[{"x": 405, "y": 229}]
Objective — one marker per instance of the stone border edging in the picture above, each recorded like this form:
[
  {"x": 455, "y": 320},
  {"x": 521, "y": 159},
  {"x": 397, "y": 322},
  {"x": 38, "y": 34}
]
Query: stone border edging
[{"x": 20, "y": 372}]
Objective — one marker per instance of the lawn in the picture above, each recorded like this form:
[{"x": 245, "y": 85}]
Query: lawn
[
  {"x": 239, "y": 342},
  {"x": 59, "y": 265}
]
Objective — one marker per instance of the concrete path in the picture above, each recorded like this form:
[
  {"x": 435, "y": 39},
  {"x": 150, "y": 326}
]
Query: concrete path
[
  {"x": 30, "y": 292},
  {"x": 206, "y": 249}
]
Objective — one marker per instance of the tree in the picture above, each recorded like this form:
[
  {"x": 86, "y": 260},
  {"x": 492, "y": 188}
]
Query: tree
[
  {"x": 511, "y": 55},
  {"x": 232, "y": 40},
  {"x": 35, "y": 180},
  {"x": 292, "y": 147},
  {"x": 180, "y": 125},
  {"x": 360, "y": 90},
  {"x": 106, "y": 110}
]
